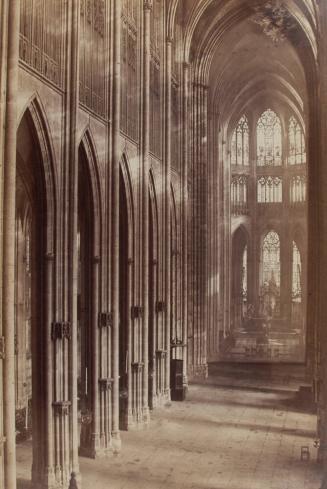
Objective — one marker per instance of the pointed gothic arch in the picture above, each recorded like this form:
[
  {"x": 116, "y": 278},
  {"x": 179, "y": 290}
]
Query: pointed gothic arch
[{"x": 36, "y": 198}]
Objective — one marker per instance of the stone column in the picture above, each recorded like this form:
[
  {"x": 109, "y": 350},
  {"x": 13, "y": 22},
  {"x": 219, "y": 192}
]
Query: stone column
[
  {"x": 116, "y": 442},
  {"x": 49, "y": 476},
  {"x": 167, "y": 225},
  {"x": 185, "y": 217},
  {"x": 63, "y": 407},
  {"x": 8, "y": 271},
  {"x": 147, "y": 7},
  {"x": 320, "y": 179},
  {"x": 3, "y": 75},
  {"x": 95, "y": 439}
]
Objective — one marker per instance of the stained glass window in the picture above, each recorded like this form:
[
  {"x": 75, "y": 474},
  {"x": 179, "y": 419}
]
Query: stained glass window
[
  {"x": 296, "y": 143},
  {"x": 240, "y": 143},
  {"x": 296, "y": 274},
  {"x": 270, "y": 261},
  {"x": 269, "y": 189},
  {"x": 298, "y": 188},
  {"x": 269, "y": 139}
]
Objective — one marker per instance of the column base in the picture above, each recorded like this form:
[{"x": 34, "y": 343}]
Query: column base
[
  {"x": 324, "y": 481},
  {"x": 198, "y": 371},
  {"x": 116, "y": 441},
  {"x": 162, "y": 399},
  {"x": 138, "y": 420},
  {"x": 49, "y": 480},
  {"x": 53, "y": 480},
  {"x": 146, "y": 415}
]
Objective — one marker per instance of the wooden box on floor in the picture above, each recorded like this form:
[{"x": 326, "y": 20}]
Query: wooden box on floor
[{"x": 176, "y": 380}]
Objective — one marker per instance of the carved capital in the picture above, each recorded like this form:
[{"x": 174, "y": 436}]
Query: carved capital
[
  {"x": 105, "y": 384},
  {"x": 136, "y": 312},
  {"x": 161, "y": 353},
  {"x": 2, "y": 348},
  {"x": 175, "y": 252},
  {"x": 160, "y": 306},
  {"x": 148, "y": 5},
  {"x": 137, "y": 366},
  {"x": 105, "y": 319},
  {"x": 61, "y": 408},
  {"x": 61, "y": 330}
]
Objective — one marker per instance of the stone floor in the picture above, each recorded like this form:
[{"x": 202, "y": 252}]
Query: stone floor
[{"x": 241, "y": 429}]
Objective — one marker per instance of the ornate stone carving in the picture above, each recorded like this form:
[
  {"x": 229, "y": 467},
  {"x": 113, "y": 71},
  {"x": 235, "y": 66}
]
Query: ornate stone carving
[
  {"x": 160, "y": 306},
  {"x": 105, "y": 319},
  {"x": 61, "y": 408},
  {"x": 161, "y": 353},
  {"x": 89, "y": 11},
  {"x": 99, "y": 16},
  {"x": 61, "y": 330},
  {"x": 2, "y": 348},
  {"x": 136, "y": 312},
  {"x": 2, "y": 441},
  {"x": 137, "y": 366},
  {"x": 148, "y": 5},
  {"x": 105, "y": 384}
]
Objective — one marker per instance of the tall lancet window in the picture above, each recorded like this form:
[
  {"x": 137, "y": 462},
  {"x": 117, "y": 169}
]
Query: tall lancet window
[
  {"x": 296, "y": 274},
  {"x": 270, "y": 259},
  {"x": 269, "y": 139},
  {"x": 296, "y": 143},
  {"x": 270, "y": 276},
  {"x": 240, "y": 143}
]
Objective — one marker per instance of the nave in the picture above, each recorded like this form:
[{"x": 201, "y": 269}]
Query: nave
[{"x": 241, "y": 428}]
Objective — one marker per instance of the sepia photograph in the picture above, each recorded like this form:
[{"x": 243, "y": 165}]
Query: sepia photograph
[{"x": 163, "y": 244}]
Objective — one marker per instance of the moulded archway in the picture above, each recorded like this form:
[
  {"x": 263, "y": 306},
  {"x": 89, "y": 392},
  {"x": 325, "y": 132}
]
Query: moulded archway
[{"x": 35, "y": 262}]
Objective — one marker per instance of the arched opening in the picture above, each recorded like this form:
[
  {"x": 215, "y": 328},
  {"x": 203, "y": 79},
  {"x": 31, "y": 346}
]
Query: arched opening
[
  {"x": 124, "y": 302},
  {"x": 269, "y": 281},
  {"x": 176, "y": 333},
  {"x": 85, "y": 306},
  {"x": 239, "y": 280},
  {"x": 153, "y": 301},
  {"x": 30, "y": 303}
]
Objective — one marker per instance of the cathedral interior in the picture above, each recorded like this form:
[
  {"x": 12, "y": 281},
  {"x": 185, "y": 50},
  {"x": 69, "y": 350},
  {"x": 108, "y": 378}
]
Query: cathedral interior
[{"x": 163, "y": 251}]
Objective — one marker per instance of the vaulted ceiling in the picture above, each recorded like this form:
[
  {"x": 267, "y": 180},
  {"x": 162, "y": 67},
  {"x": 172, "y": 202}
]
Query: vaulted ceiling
[{"x": 249, "y": 52}]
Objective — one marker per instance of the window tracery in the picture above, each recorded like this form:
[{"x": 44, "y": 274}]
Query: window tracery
[
  {"x": 269, "y": 189},
  {"x": 40, "y": 42},
  {"x": 296, "y": 143},
  {"x": 239, "y": 194},
  {"x": 296, "y": 274},
  {"x": 129, "y": 78},
  {"x": 240, "y": 143},
  {"x": 270, "y": 275},
  {"x": 92, "y": 60},
  {"x": 298, "y": 189},
  {"x": 269, "y": 139}
]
